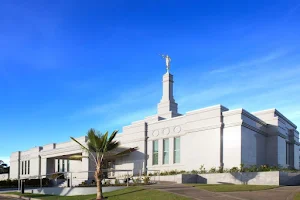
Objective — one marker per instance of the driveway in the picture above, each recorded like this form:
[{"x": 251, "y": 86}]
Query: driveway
[{"x": 281, "y": 193}]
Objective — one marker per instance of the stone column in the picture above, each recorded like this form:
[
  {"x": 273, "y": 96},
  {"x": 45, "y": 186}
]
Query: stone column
[{"x": 167, "y": 108}]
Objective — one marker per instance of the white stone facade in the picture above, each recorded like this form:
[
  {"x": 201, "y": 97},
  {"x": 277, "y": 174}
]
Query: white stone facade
[{"x": 214, "y": 136}]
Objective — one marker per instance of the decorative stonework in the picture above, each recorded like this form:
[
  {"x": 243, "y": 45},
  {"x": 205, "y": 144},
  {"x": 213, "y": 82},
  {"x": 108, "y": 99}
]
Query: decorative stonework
[
  {"x": 177, "y": 129},
  {"x": 166, "y": 131},
  {"x": 155, "y": 133},
  {"x": 25, "y": 157}
]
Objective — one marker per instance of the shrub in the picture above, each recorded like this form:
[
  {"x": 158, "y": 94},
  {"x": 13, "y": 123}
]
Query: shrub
[
  {"x": 221, "y": 169},
  {"x": 234, "y": 169},
  {"x": 136, "y": 180},
  {"x": 58, "y": 175},
  {"x": 194, "y": 172},
  {"x": 242, "y": 168},
  {"x": 173, "y": 172},
  {"x": 30, "y": 182},
  {"x": 117, "y": 182},
  {"x": 146, "y": 179},
  {"x": 202, "y": 169},
  {"x": 164, "y": 173},
  {"x": 213, "y": 170}
]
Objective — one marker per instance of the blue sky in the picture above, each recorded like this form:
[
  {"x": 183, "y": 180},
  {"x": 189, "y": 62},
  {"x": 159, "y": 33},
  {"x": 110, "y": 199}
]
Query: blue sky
[{"x": 66, "y": 67}]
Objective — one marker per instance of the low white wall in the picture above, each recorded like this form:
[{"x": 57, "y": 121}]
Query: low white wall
[
  {"x": 72, "y": 191},
  {"x": 287, "y": 178},
  {"x": 179, "y": 178},
  {"x": 249, "y": 178},
  {"x": 4, "y": 177},
  {"x": 238, "y": 178}
]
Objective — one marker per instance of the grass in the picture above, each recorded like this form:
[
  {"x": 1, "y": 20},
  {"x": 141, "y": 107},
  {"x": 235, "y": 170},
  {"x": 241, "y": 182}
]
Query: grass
[
  {"x": 297, "y": 196},
  {"x": 232, "y": 188},
  {"x": 130, "y": 193}
]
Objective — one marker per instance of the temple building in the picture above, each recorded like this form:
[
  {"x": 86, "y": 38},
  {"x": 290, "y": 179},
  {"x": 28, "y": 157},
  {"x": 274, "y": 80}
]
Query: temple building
[{"x": 213, "y": 136}]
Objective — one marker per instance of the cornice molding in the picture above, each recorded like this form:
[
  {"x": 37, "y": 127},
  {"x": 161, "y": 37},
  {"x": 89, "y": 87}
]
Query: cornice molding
[
  {"x": 245, "y": 113},
  {"x": 246, "y": 125},
  {"x": 204, "y": 128},
  {"x": 61, "y": 150},
  {"x": 277, "y": 113}
]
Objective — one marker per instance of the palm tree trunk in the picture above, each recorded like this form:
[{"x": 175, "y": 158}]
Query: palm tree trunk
[{"x": 98, "y": 176}]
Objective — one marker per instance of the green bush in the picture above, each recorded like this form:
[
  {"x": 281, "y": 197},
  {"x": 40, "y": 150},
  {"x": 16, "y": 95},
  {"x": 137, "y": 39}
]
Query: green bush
[
  {"x": 202, "y": 169},
  {"x": 173, "y": 172},
  {"x": 234, "y": 169},
  {"x": 146, "y": 179},
  {"x": 136, "y": 180},
  {"x": 213, "y": 170},
  {"x": 29, "y": 182},
  {"x": 58, "y": 175},
  {"x": 117, "y": 182}
]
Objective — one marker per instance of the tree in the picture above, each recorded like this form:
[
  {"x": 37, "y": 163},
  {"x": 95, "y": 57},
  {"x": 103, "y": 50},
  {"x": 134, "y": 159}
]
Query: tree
[
  {"x": 97, "y": 145},
  {"x": 3, "y": 167}
]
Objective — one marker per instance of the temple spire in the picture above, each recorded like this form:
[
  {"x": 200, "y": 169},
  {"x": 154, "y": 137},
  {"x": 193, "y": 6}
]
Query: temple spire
[{"x": 167, "y": 108}]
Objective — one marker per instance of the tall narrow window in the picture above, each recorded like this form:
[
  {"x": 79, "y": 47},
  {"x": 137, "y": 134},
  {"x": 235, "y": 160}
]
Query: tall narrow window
[
  {"x": 58, "y": 165},
  {"x": 155, "y": 152},
  {"x": 25, "y": 166},
  {"x": 177, "y": 150},
  {"x": 22, "y": 167},
  {"x": 68, "y": 165},
  {"x": 28, "y": 170},
  {"x": 166, "y": 151},
  {"x": 286, "y": 153},
  {"x": 63, "y": 166}
]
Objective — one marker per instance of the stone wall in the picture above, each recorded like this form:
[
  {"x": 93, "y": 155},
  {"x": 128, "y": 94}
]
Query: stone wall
[
  {"x": 249, "y": 178},
  {"x": 71, "y": 191},
  {"x": 238, "y": 178},
  {"x": 287, "y": 178}
]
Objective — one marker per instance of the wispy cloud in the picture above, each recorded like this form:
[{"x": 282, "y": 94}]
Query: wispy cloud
[
  {"x": 130, "y": 98},
  {"x": 255, "y": 91},
  {"x": 257, "y": 61},
  {"x": 126, "y": 118}
]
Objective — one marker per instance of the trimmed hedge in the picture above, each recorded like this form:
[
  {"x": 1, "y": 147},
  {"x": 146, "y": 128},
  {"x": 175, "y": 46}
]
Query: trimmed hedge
[{"x": 29, "y": 183}]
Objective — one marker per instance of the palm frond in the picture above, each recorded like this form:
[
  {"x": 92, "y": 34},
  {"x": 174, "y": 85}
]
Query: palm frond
[
  {"x": 112, "y": 146},
  {"x": 76, "y": 157},
  {"x": 82, "y": 146},
  {"x": 104, "y": 142},
  {"x": 112, "y": 136}
]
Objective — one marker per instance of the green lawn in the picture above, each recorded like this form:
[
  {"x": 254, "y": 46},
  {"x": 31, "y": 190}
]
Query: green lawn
[
  {"x": 297, "y": 196},
  {"x": 130, "y": 193},
  {"x": 232, "y": 188}
]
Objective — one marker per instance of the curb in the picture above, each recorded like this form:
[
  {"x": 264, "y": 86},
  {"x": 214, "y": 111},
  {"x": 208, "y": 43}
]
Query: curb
[{"x": 18, "y": 196}]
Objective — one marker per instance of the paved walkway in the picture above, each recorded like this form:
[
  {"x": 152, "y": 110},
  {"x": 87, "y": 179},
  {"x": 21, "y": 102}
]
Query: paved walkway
[{"x": 281, "y": 193}]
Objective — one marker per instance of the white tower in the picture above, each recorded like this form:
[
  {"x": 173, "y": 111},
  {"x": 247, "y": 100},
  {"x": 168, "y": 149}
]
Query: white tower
[{"x": 167, "y": 108}]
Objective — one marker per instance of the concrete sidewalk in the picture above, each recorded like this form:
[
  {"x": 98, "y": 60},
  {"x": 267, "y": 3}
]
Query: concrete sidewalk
[{"x": 281, "y": 193}]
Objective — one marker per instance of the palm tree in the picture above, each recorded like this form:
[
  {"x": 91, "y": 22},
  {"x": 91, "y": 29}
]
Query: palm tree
[
  {"x": 3, "y": 167},
  {"x": 97, "y": 145}
]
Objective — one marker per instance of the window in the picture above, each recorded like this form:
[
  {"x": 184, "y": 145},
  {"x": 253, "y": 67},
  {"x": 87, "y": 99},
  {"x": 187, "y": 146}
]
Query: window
[
  {"x": 22, "y": 167},
  {"x": 25, "y": 167},
  {"x": 28, "y": 170},
  {"x": 166, "y": 151},
  {"x": 58, "y": 165},
  {"x": 286, "y": 153},
  {"x": 68, "y": 165},
  {"x": 63, "y": 166},
  {"x": 155, "y": 152},
  {"x": 177, "y": 150}
]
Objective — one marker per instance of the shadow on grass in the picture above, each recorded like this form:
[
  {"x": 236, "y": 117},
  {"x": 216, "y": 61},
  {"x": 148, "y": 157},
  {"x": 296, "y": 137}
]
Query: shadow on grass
[{"x": 123, "y": 193}]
